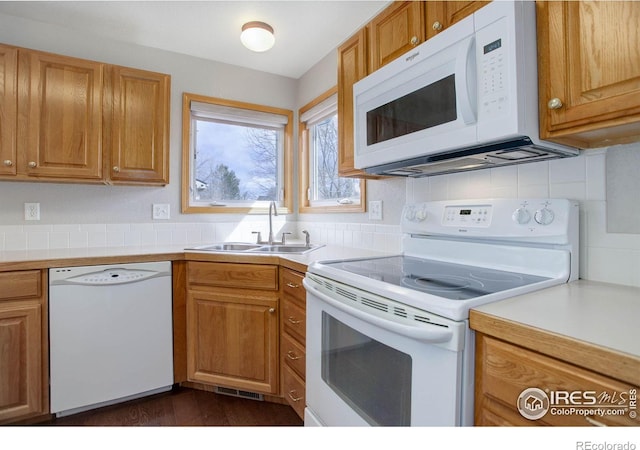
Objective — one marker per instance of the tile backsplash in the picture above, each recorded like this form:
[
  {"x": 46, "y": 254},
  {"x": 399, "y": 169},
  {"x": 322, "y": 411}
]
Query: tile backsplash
[{"x": 604, "y": 255}]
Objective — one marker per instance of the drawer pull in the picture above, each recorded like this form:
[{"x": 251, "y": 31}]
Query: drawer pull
[
  {"x": 295, "y": 399},
  {"x": 291, "y": 285},
  {"x": 292, "y": 356},
  {"x": 594, "y": 422},
  {"x": 294, "y": 321}
]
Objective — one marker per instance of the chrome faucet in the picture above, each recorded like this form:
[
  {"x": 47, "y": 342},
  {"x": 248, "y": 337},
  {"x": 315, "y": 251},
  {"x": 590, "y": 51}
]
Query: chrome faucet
[
  {"x": 307, "y": 238},
  {"x": 273, "y": 211},
  {"x": 272, "y": 207}
]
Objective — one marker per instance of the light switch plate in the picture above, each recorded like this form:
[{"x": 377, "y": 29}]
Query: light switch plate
[
  {"x": 161, "y": 211},
  {"x": 32, "y": 211},
  {"x": 375, "y": 210}
]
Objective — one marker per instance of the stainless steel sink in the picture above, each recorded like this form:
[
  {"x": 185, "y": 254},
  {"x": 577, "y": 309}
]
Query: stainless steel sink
[
  {"x": 243, "y": 247},
  {"x": 226, "y": 247},
  {"x": 292, "y": 249}
]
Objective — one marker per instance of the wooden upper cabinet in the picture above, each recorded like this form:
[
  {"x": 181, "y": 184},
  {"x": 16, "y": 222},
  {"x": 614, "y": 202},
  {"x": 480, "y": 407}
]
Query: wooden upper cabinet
[
  {"x": 395, "y": 31},
  {"x": 67, "y": 119},
  {"x": 8, "y": 109},
  {"x": 60, "y": 116},
  {"x": 589, "y": 72},
  {"x": 137, "y": 128},
  {"x": 352, "y": 67},
  {"x": 442, "y": 14}
]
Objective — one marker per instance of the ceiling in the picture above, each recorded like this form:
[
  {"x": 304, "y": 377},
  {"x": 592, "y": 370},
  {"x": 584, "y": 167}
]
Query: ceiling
[{"x": 306, "y": 31}]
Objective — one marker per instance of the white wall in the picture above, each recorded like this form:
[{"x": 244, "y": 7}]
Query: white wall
[{"x": 67, "y": 203}]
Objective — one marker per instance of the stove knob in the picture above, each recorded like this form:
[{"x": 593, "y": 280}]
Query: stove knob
[
  {"x": 421, "y": 215},
  {"x": 521, "y": 216},
  {"x": 410, "y": 214},
  {"x": 544, "y": 216}
]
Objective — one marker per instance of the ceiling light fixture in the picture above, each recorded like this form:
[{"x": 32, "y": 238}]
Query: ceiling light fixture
[{"x": 257, "y": 36}]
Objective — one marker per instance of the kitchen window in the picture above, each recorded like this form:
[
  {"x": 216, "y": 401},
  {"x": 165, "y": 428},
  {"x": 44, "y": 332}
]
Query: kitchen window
[
  {"x": 321, "y": 188},
  {"x": 236, "y": 156}
]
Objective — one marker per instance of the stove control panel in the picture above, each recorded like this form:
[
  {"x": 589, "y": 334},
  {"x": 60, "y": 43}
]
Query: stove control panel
[
  {"x": 467, "y": 216},
  {"x": 533, "y": 219}
]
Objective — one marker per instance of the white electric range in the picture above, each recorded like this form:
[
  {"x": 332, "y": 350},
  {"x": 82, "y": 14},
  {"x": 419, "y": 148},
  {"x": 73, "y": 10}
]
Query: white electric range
[{"x": 388, "y": 340}]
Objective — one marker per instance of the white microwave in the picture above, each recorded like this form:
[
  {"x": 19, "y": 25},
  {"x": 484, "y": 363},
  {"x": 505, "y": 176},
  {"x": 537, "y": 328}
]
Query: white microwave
[{"x": 465, "y": 99}]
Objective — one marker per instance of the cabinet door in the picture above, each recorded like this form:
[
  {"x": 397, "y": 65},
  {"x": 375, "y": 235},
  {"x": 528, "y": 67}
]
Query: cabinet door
[
  {"x": 20, "y": 360},
  {"x": 504, "y": 371},
  {"x": 442, "y": 14},
  {"x": 232, "y": 340},
  {"x": 60, "y": 128},
  {"x": 8, "y": 109},
  {"x": 352, "y": 67},
  {"x": 394, "y": 32},
  {"x": 589, "y": 65},
  {"x": 138, "y": 126}
]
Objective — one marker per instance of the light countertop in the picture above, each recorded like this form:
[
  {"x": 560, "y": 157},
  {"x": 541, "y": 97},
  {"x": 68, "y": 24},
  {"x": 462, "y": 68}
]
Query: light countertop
[
  {"x": 42, "y": 259},
  {"x": 581, "y": 322}
]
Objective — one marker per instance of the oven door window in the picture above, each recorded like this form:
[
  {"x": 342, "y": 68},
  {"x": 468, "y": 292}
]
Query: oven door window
[
  {"x": 372, "y": 378},
  {"x": 427, "y": 107}
]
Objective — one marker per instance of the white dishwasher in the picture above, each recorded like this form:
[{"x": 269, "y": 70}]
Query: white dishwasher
[{"x": 110, "y": 334}]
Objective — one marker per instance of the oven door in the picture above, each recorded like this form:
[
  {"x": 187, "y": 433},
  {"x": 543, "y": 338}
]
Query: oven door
[{"x": 364, "y": 370}]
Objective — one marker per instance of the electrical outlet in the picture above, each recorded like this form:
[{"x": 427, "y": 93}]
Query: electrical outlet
[
  {"x": 375, "y": 210},
  {"x": 32, "y": 211},
  {"x": 161, "y": 211}
]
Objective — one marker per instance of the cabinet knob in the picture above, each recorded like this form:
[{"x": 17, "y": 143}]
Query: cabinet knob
[
  {"x": 554, "y": 103},
  {"x": 437, "y": 26},
  {"x": 116, "y": 169},
  {"x": 415, "y": 40},
  {"x": 292, "y": 285},
  {"x": 292, "y": 356},
  {"x": 272, "y": 310},
  {"x": 8, "y": 162},
  {"x": 32, "y": 164},
  {"x": 293, "y": 321}
]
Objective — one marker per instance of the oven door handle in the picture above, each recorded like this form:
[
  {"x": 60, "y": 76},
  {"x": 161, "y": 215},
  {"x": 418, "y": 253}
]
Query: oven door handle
[{"x": 436, "y": 335}]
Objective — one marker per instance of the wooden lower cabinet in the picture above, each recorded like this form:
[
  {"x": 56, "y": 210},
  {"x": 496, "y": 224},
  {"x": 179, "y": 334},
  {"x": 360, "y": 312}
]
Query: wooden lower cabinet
[
  {"x": 293, "y": 339},
  {"x": 24, "y": 369},
  {"x": 232, "y": 333},
  {"x": 504, "y": 371}
]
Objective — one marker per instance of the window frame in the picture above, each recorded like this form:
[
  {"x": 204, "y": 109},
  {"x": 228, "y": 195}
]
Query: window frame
[
  {"x": 285, "y": 205},
  {"x": 304, "y": 177}
]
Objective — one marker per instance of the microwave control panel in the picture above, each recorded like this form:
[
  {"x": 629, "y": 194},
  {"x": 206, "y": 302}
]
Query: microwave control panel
[{"x": 492, "y": 54}]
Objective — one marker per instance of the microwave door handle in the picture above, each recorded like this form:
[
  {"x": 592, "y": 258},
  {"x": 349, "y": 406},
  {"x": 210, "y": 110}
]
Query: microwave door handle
[
  {"x": 435, "y": 336},
  {"x": 465, "y": 68}
]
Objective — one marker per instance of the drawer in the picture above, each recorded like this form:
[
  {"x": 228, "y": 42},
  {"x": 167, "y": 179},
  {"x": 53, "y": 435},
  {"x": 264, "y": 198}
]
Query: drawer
[
  {"x": 294, "y": 390},
  {"x": 294, "y": 319},
  {"x": 506, "y": 370},
  {"x": 293, "y": 354},
  {"x": 231, "y": 275},
  {"x": 292, "y": 285},
  {"x": 20, "y": 285}
]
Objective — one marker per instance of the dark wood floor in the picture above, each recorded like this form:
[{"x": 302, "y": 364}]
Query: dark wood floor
[{"x": 186, "y": 407}]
